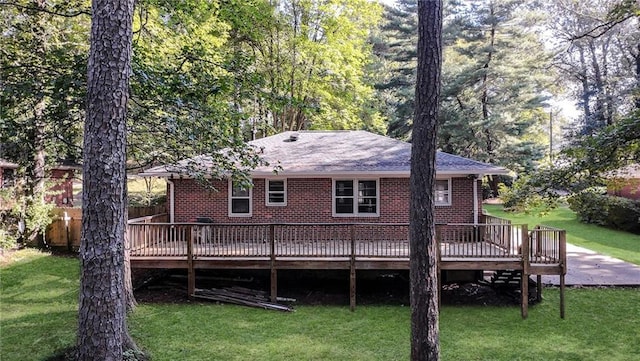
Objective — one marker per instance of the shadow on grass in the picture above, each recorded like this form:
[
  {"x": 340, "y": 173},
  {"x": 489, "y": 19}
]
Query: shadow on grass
[{"x": 45, "y": 279}]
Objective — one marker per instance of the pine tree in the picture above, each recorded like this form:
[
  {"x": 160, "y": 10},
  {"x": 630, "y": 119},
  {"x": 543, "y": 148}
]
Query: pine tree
[
  {"x": 494, "y": 77},
  {"x": 394, "y": 47}
]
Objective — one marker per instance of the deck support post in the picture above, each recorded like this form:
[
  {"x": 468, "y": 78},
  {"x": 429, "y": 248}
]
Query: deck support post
[
  {"x": 274, "y": 270},
  {"x": 539, "y": 288},
  {"x": 562, "y": 296},
  {"x": 352, "y": 271},
  {"x": 274, "y": 284},
  {"x": 524, "y": 282},
  {"x": 191, "y": 273},
  {"x": 439, "y": 268},
  {"x": 563, "y": 271}
]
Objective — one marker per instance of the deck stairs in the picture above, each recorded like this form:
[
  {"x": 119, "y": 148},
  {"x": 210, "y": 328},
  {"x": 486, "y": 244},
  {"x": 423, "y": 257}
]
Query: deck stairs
[{"x": 506, "y": 278}]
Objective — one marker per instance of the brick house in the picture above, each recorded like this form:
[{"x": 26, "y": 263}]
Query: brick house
[
  {"x": 60, "y": 179},
  {"x": 328, "y": 177}
]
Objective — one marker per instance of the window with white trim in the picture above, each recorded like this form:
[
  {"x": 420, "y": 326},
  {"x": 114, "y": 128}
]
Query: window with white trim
[
  {"x": 355, "y": 197},
  {"x": 276, "y": 192},
  {"x": 239, "y": 200},
  {"x": 443, "y": 192}
]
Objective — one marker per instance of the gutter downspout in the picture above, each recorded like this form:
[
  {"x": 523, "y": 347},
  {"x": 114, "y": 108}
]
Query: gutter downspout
[
  {"x": 171, "y": 200},
  {"x": 475, "y": 199}
]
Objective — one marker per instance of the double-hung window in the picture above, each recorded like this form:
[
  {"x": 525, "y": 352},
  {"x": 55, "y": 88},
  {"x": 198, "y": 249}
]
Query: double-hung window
[
  {"x": 443, "y": 192},
  {"x": 239, "y": 200},
  {"x": 276, "y": 192},
  {"x": 355, "y": 197}
]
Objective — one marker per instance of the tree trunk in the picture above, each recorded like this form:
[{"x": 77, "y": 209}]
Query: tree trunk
[
  {"x": 36, "y": 170},
  {"x": 585, "y": 94},
  {"x": 637, "y": 88},
  {"x": 425, "y": 343},
  {"x": 102, "y": 331}
]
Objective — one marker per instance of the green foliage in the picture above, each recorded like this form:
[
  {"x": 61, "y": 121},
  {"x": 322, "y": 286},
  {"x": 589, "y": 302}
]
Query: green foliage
[
  {"x": 394, "y": 68},
  {"x": 32, "y": 210},
  {"x": 312, "y": 63},
  {"x": 601, "y": 209},
  {"x": 494, "y": 72},
  {"x": 590, "y": 161},
  {"x": 518, "y": 197},
  {"x": 7, "y": 239},
  {"x": 43, "y": 71},
  {"x": 185, "y": 78},
  {"x": 494, "y": 76},
  {"x": 523, "y": 195},
  {"x": 602, "y": 78}
]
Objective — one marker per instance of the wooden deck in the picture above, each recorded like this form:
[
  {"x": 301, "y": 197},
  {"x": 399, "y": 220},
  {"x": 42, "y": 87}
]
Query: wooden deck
[{"x": 495, "y": 245}]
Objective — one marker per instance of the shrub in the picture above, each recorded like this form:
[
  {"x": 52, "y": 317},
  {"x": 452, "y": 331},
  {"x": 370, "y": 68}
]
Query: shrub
[
  {"x": 609, "y": 211},
  {"x": 522, "y": 196}
]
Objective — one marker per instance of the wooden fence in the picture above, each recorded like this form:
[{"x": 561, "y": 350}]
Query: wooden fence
[{"x": 64, "y": 231}]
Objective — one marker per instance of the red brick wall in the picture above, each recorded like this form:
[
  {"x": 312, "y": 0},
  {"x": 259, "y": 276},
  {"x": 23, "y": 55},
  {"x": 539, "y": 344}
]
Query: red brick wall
[
  {"x": 310, "y": 201},
  {"x": 62, "y": 186}
]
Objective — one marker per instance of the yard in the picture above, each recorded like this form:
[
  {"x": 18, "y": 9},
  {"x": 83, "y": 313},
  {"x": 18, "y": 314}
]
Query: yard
[
  {"x": 38, "y": 316},
  {"x": 618, "y": 244}
]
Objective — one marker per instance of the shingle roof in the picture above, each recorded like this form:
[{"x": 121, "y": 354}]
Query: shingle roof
[
  {"x": 357, "y": 151},
  {"x": 327, "y": 153}
]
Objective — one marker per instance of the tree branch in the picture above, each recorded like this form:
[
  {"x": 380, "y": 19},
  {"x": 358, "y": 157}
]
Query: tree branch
[
  {"x": 601, "y": 29},
  {"x": 32, "y": 8}
]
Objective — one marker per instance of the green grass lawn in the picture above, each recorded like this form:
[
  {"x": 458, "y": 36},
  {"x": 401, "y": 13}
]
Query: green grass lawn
[
  {"x": 618, "y": 244},
  {"x": 38, "y": 306}
]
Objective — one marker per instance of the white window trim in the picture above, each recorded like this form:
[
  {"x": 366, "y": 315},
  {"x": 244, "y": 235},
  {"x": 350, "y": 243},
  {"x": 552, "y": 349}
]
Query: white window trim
[
  {"x": 355, "y": 198},
  {"x": 230, "y": 198},
  {"x": 266, "y": 192},
  {"x": 444, "y": 204}
]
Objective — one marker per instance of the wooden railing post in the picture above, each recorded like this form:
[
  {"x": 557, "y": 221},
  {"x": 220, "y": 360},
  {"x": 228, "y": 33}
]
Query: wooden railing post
[
  {"x": 562, "y": 247},
  {"x": 524, "y": 282},
  {"x": 272, "y": 257},
  {"x": 438, "y": 235},
  {"x": 191, "y": 274},
  {"x": 352, "y": 270}
]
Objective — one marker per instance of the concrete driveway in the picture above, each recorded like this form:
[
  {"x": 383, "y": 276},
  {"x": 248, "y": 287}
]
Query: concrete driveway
[{"x": 588, "y": 268}]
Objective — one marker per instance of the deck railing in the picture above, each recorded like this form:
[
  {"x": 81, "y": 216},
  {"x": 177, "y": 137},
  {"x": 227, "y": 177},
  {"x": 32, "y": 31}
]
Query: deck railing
[
  {"x": 496, "y": 239},
  {"x": 489, "y": 240},
  {"x": 547, "y": 245}
]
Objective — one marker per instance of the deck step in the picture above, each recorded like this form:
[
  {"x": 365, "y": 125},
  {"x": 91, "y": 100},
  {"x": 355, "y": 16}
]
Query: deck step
[{"x": 509, "y": 278}]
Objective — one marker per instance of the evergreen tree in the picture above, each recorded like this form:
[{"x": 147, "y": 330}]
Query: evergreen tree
[
  {"x": 494, "y": 75},
  {"x": 395, "y": 70}
]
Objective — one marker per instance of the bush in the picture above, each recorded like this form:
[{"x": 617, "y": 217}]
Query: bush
[
  {"x": 522, "y": 196},
  {"x": 609, "y": 211}
]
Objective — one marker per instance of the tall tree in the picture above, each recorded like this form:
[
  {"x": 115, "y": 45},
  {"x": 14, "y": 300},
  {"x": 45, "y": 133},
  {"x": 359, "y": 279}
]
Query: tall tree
[
  {"x": 395, "y": 70},
  {"x": 42, "y": 64},
  {"x": 495, "y": 74},
  {"x": 425, "y": 339},
  {"x": 313, "y": 62},
  {"x": 102, "y": 328},
  {"x": 188, "y": 80},
  {"x": 598, "y": 56}
]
